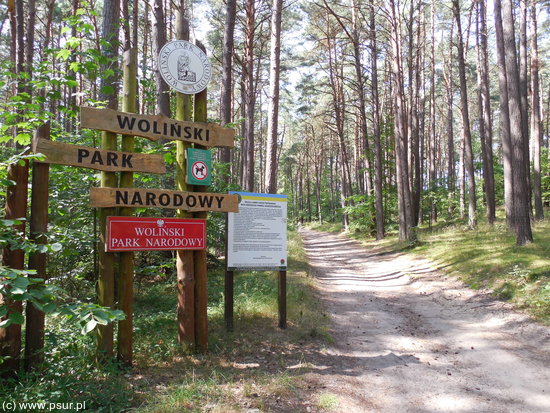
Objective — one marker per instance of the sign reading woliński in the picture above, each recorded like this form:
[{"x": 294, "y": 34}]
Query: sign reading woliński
[
  {"x": 155, "y": 127},
  {"x": 162, "y": 198},
  {"x": 257, "y": 234},
  {"x": 184, "y": 67},
  {"x": 102, "y": 160},
  {"x": 155, "y": 234},
  {"x": 199, "y": 167}
]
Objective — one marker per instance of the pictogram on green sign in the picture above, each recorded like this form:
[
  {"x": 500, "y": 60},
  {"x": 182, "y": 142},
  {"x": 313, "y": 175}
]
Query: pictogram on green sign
[{"x": 199, "y": 167}]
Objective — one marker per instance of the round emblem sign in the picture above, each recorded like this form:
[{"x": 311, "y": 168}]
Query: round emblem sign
[
  {"x": 184, "y": 67},
  {"x": 200, "y": 170}
]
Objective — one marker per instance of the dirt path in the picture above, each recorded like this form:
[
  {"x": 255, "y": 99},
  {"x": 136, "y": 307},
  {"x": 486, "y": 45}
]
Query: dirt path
[{"x": 410, "y": 339}]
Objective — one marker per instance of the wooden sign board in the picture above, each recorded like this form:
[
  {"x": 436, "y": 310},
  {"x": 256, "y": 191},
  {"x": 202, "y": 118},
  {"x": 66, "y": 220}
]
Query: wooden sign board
[
  {"x": 102, "y": 160},
  {"x": 155, "y": 234},
  {"x": 156, "y": 127},
  {"x": 160, "y": 198}
]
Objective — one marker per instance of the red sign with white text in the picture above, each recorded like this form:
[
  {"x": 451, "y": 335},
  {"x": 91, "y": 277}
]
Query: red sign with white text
[{"x": 154, "y": 234}]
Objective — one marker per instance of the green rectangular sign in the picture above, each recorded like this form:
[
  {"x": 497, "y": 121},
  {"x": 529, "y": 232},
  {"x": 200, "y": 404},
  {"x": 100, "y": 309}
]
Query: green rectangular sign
[{"x": 199, "y": 167}]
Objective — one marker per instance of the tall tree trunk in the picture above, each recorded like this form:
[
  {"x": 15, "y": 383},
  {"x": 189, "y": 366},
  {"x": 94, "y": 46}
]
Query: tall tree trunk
[
  {"x": 451, "y": 172},
  {"x": 379, "y": 206},
  {"x": 524, "y": 90},
  {"x": 159, "y": 40},
  {"x": 520, "y": 213},
  {"x": 250, "y": 98},
  {"x": 433, "y": 135},
  {"x": 227, "y": 77},
  {"x": 504, "y": 114},
  {"x": 406, "y": 232},
  {"x": 536, "y": 119},
  {"x": 485, "y": 123},
  {"x": 273, "y": 112},
  {"x": 469, "y": 158}
]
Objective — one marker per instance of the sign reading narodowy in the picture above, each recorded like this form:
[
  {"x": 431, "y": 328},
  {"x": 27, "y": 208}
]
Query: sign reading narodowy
[
  {"x": 199, "y": 167},
  {"x": 257, "y": 234},
  {"x": 155, "y": 234},
  {"x": 160, "y": 198},
  {"x": 102, "y": 160},
  {"x": 184, "y": 67},
  {"x": 155, "y": 127}
]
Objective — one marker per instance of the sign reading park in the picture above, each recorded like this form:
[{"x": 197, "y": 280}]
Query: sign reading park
[
  {"x": 184, "y": 67},
  {"x": 257, "y": 234},
  {"x": 102, "y": 160},
  {"x": 199, "y": 167},
  {"x": 162, "y": 198},
  {"x": 155, "y": 127},
  {"x": 155, "y": 234}
]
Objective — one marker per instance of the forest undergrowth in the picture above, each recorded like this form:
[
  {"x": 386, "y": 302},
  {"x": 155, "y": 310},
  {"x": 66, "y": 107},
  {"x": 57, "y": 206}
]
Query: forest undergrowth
[
  {"x": 484, "y": 258},
  {"x": 246, "y": 368}
]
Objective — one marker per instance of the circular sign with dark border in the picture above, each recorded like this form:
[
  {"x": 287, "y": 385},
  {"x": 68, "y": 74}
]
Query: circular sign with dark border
[
  {"x": 184, "y": 67},
  {"x": 199, "y": 170}
]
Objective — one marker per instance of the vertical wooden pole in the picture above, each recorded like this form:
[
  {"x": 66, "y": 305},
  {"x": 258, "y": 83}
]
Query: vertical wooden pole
[
  {"x": 199, "y": 256},
  {"x": 16, "y": 207},
  {"x": 34, "y": 328},
  {"x": 106, "y": 282},
  {"x": 282, "y": 299},
  {"x": 184, "y": 260},
  {"x": 126, "y": 263},
  {"x": 229, "y": 299}
]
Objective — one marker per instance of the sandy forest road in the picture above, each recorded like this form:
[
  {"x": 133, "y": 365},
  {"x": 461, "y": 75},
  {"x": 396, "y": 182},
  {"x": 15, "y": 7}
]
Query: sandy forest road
[{"x": 410, "y": 339}]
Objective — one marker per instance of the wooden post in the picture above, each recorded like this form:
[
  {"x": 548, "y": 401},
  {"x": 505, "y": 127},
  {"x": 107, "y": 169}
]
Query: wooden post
[
  {"x": 106, "y": 282},
  {"x": 229, "y": 300},
  {"x": 184, "y": 260},
  {"x": 126, "y": 263},
  {"x": 34, "y": 328},
  {"x": 282, "y": 299},
  {"x": 199, "y": 256},
  {"x": 16, "y": 207}
]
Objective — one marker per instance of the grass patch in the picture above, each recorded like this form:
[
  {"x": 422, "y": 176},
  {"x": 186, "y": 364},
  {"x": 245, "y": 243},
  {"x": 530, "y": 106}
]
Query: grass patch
[
  {"x": 488, "y": 257},
  {"x": 327, "y": 401},
  {"x": 333, "y": 227}
]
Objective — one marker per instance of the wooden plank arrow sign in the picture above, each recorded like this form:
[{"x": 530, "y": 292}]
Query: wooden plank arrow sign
[
  {"x": 155, "y": 127},
  {"x": 160, "y": 198},
  {"x": 102, "y": 160}
]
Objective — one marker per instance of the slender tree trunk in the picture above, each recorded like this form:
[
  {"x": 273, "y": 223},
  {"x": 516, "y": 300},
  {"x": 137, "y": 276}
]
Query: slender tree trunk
[
  {"x": 504, "y": 114},
  {"x": 520, "y": 213},
  {"x": 273, "y": 112},
  {"x": 227, "y": 77},
  {"x": 250, "y": 98},
  {"x": 469, "y": 158},
  {"x": 524, "y": 90},
  {"x": 536, "y": 119},
  {"x": 406, "y": 232},
  {"x": 379, "y": 207},
  {"x": 159, "y": 40},
  {"x": 485, "y": 123}
]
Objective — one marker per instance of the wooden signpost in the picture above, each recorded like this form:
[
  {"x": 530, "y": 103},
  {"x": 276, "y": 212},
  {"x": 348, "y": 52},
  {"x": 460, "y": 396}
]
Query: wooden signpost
[
  {"x": 161, "y": 198},
  {"x": 124, "y": 234},
  {"x": 155, "y": 127},
  {"x": 102, "y": 160}
]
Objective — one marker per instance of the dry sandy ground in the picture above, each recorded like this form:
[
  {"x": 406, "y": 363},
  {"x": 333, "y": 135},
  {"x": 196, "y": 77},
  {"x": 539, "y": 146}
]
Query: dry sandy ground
[{"x": 410, "y": 339}]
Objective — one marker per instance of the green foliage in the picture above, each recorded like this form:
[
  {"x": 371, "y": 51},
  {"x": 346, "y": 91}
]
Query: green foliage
[
  {"x": 489, "y": 257},
  {"x": 19, "y": 285},
  {"x": 360, "y": 210}
]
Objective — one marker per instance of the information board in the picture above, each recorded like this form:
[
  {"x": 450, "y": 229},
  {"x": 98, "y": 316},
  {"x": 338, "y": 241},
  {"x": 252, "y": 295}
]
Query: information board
[{"x": 257, "y": 234}]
